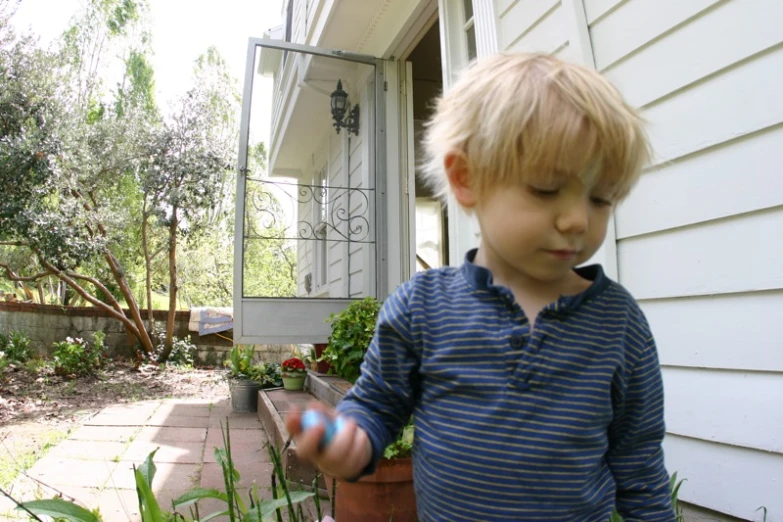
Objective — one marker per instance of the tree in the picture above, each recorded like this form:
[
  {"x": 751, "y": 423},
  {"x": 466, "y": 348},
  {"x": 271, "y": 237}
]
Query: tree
[
  {"x": 61, "y": 165},
  {"x": 181, "y": 175},
  {"x": 97, "y": 184}
]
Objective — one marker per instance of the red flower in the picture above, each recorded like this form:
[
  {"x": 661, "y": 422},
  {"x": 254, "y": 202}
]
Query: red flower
[{"x": 294, "y": 364}]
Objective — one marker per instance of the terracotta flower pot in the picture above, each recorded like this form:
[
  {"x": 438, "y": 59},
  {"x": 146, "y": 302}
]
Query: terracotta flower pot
[
  {"x": 385, "y": 496},
  {"x": 322, "y": 366}
]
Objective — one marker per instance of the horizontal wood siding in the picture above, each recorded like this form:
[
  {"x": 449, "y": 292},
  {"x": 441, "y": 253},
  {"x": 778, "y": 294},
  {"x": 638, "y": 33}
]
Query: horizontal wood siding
[
  {"x": 726, "y": 181},
  {"x": 699, "y": 240},
  {"x": 359, "y": 260},
  {"x": 735, "y": 479},
  {"x": 739, "y": 331},
  {"x": 532, "y": 26},
  {"x": 715, "y": 405},
  {"x": 335, "y": 252}
]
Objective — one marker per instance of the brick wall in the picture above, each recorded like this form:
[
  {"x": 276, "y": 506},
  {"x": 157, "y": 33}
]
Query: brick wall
[{"x": 46, "y": 324}]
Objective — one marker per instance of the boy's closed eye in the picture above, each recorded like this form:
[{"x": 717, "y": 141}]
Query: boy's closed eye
[
  {"x": 551, "y": 192},
  {"x": 543, "y": 192},
  {"x": 601, "y": 201}
]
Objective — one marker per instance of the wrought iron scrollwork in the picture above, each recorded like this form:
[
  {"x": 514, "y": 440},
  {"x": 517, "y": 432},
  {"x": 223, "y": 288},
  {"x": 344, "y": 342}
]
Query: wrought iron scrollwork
[{"x": 336, "y": 213}]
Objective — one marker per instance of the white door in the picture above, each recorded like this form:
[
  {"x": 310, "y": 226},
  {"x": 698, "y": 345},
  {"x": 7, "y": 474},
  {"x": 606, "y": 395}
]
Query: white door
[{"x": 310, "y": 231}]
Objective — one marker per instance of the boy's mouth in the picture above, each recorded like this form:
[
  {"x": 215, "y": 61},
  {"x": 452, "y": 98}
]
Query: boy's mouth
[{"x": 565, "y": 255}]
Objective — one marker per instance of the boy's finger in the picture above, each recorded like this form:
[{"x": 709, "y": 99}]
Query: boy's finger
[
  {"x": 320, "y": 406},
  {"x": 309, "y": 441},
  {"x": 293, "y": 420},
  {"x": 341, "y": 448},
  {"x": 360, "y": 452}
]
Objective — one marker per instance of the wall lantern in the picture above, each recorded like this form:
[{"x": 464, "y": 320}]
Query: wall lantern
[{"x": 340, "y": 107}]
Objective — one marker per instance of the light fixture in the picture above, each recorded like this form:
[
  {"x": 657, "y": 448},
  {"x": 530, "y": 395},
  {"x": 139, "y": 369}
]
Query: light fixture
[{"x": 341, "y": 106}]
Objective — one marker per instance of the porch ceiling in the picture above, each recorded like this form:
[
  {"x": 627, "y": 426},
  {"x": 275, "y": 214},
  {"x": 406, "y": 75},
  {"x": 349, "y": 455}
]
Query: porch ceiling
[
  {"x": 306, "y": 115},
  {"x": 350, "y": 22}
]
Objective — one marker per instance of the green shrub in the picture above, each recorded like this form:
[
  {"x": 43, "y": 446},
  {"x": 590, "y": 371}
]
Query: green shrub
[
  {"x": 352, "y": 331},
  {"x": 183, "y": 352},
  {"x": 78, "y": 357},
  {"x": 15, "y": 347}
]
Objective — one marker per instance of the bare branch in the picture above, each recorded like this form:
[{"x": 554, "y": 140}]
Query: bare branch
[
  {"x": 13, "y": 276},
  {"x": 91, "y": 209},
  {"x": 70, "y": 281},
  {"x": 97, "y": 284},
  {"x": 13, "y": 243}
]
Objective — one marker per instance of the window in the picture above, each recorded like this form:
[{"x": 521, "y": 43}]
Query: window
[
  {"x": 321, "y": 230},
  {"x": 469, "y": 28},
  {"x": 308, "y": 16},
  {"x": 289, "y": 25}
]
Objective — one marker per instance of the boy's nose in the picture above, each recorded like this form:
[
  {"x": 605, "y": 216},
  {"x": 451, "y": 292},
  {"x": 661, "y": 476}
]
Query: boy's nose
[{"x": 574, "y": 218}]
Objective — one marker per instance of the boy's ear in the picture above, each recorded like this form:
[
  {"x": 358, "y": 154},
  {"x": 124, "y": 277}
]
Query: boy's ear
[{"x": 456, "y": 165}]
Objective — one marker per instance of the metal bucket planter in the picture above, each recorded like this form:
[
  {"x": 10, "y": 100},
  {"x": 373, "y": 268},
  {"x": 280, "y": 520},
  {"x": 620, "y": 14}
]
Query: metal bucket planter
[{"x": 244, "y": 395}]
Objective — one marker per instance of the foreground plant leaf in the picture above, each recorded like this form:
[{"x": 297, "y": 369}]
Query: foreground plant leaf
[
  {"x": 60, "y": 509},
  {"x": 194, "y": 495}
]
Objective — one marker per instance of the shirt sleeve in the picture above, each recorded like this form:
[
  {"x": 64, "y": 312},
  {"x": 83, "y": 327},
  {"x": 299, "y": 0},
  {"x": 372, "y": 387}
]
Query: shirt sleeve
[
  {"x": 635, "y": 453},
  {"x": 383, "y": 397}
]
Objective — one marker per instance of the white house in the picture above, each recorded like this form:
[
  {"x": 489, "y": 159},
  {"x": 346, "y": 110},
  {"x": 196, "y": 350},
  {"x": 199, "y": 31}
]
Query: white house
[{"x": 699, "y": 242}]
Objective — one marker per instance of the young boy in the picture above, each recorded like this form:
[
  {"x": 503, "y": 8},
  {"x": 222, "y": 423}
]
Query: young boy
[{"x": 535, "y": 386}]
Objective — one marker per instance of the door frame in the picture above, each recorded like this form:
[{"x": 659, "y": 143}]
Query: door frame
[
  {"x": 301, "y": 320},
  {"x": 407, "y": 153}
]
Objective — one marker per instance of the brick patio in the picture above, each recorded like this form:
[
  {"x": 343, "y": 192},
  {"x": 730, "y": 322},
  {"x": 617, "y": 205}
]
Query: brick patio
[{"x": 94, "y": 465}]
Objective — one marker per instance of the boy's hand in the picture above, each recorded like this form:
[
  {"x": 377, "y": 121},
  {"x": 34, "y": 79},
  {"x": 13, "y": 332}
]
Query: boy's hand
[{"x": 344, "y": 457}]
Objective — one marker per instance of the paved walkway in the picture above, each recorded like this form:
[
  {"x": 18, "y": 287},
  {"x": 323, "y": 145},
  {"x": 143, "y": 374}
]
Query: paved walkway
[{"x": 94, "y": 464}]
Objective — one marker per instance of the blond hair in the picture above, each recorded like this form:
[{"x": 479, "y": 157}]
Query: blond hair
[{"x": 522, "y": 117}]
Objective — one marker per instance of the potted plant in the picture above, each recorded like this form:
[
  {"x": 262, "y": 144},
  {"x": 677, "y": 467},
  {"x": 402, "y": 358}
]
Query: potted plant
[
  {"x": 267, "y": 375},
  {"x": 387, "y": 494},
  {"x": 352, "y": 331},
  {"x": 294, "y": 373},
  {"x": 244, "y": 388}
]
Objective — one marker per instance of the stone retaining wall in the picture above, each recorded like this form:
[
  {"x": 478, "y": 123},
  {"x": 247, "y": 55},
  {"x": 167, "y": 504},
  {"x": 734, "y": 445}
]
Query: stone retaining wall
[{"x": 46, "y": 324}]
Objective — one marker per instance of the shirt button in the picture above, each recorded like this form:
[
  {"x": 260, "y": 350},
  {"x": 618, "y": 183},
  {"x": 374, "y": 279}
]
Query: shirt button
[{"x": 517, "y": 342}]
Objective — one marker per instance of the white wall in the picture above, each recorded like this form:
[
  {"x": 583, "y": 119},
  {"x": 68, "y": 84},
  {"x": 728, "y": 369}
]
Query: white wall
[
  {"x": 699, "y": 240},
  {"x": 336, "y": 256},
  {"x": 349, "y": 265},
  {"x": 532, "y": 26}
]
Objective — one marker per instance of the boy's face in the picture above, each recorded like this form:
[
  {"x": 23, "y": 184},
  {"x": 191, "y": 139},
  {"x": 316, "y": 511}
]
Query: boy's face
[{"x": 542, "y": 230}]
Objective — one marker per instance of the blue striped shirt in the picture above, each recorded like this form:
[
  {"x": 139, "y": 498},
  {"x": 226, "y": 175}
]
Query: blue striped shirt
[{"x": 557, "y": 423}]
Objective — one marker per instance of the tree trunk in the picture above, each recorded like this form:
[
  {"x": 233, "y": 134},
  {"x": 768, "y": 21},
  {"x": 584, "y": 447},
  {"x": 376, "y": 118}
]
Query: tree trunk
[
  {"x": 114, "y": 311},
  {"x": 133, "y": 308},
  {"x": 172, "y": 283},
  {"x": 52, "y": 295},
  {"x": 148, "y": 268}
]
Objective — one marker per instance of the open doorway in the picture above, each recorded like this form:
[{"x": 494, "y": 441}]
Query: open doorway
[{"x": 429, "y": 217}]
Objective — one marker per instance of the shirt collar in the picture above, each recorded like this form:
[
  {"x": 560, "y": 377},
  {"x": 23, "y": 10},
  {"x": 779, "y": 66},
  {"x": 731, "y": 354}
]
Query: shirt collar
[{"x": 481, "y": 278}]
